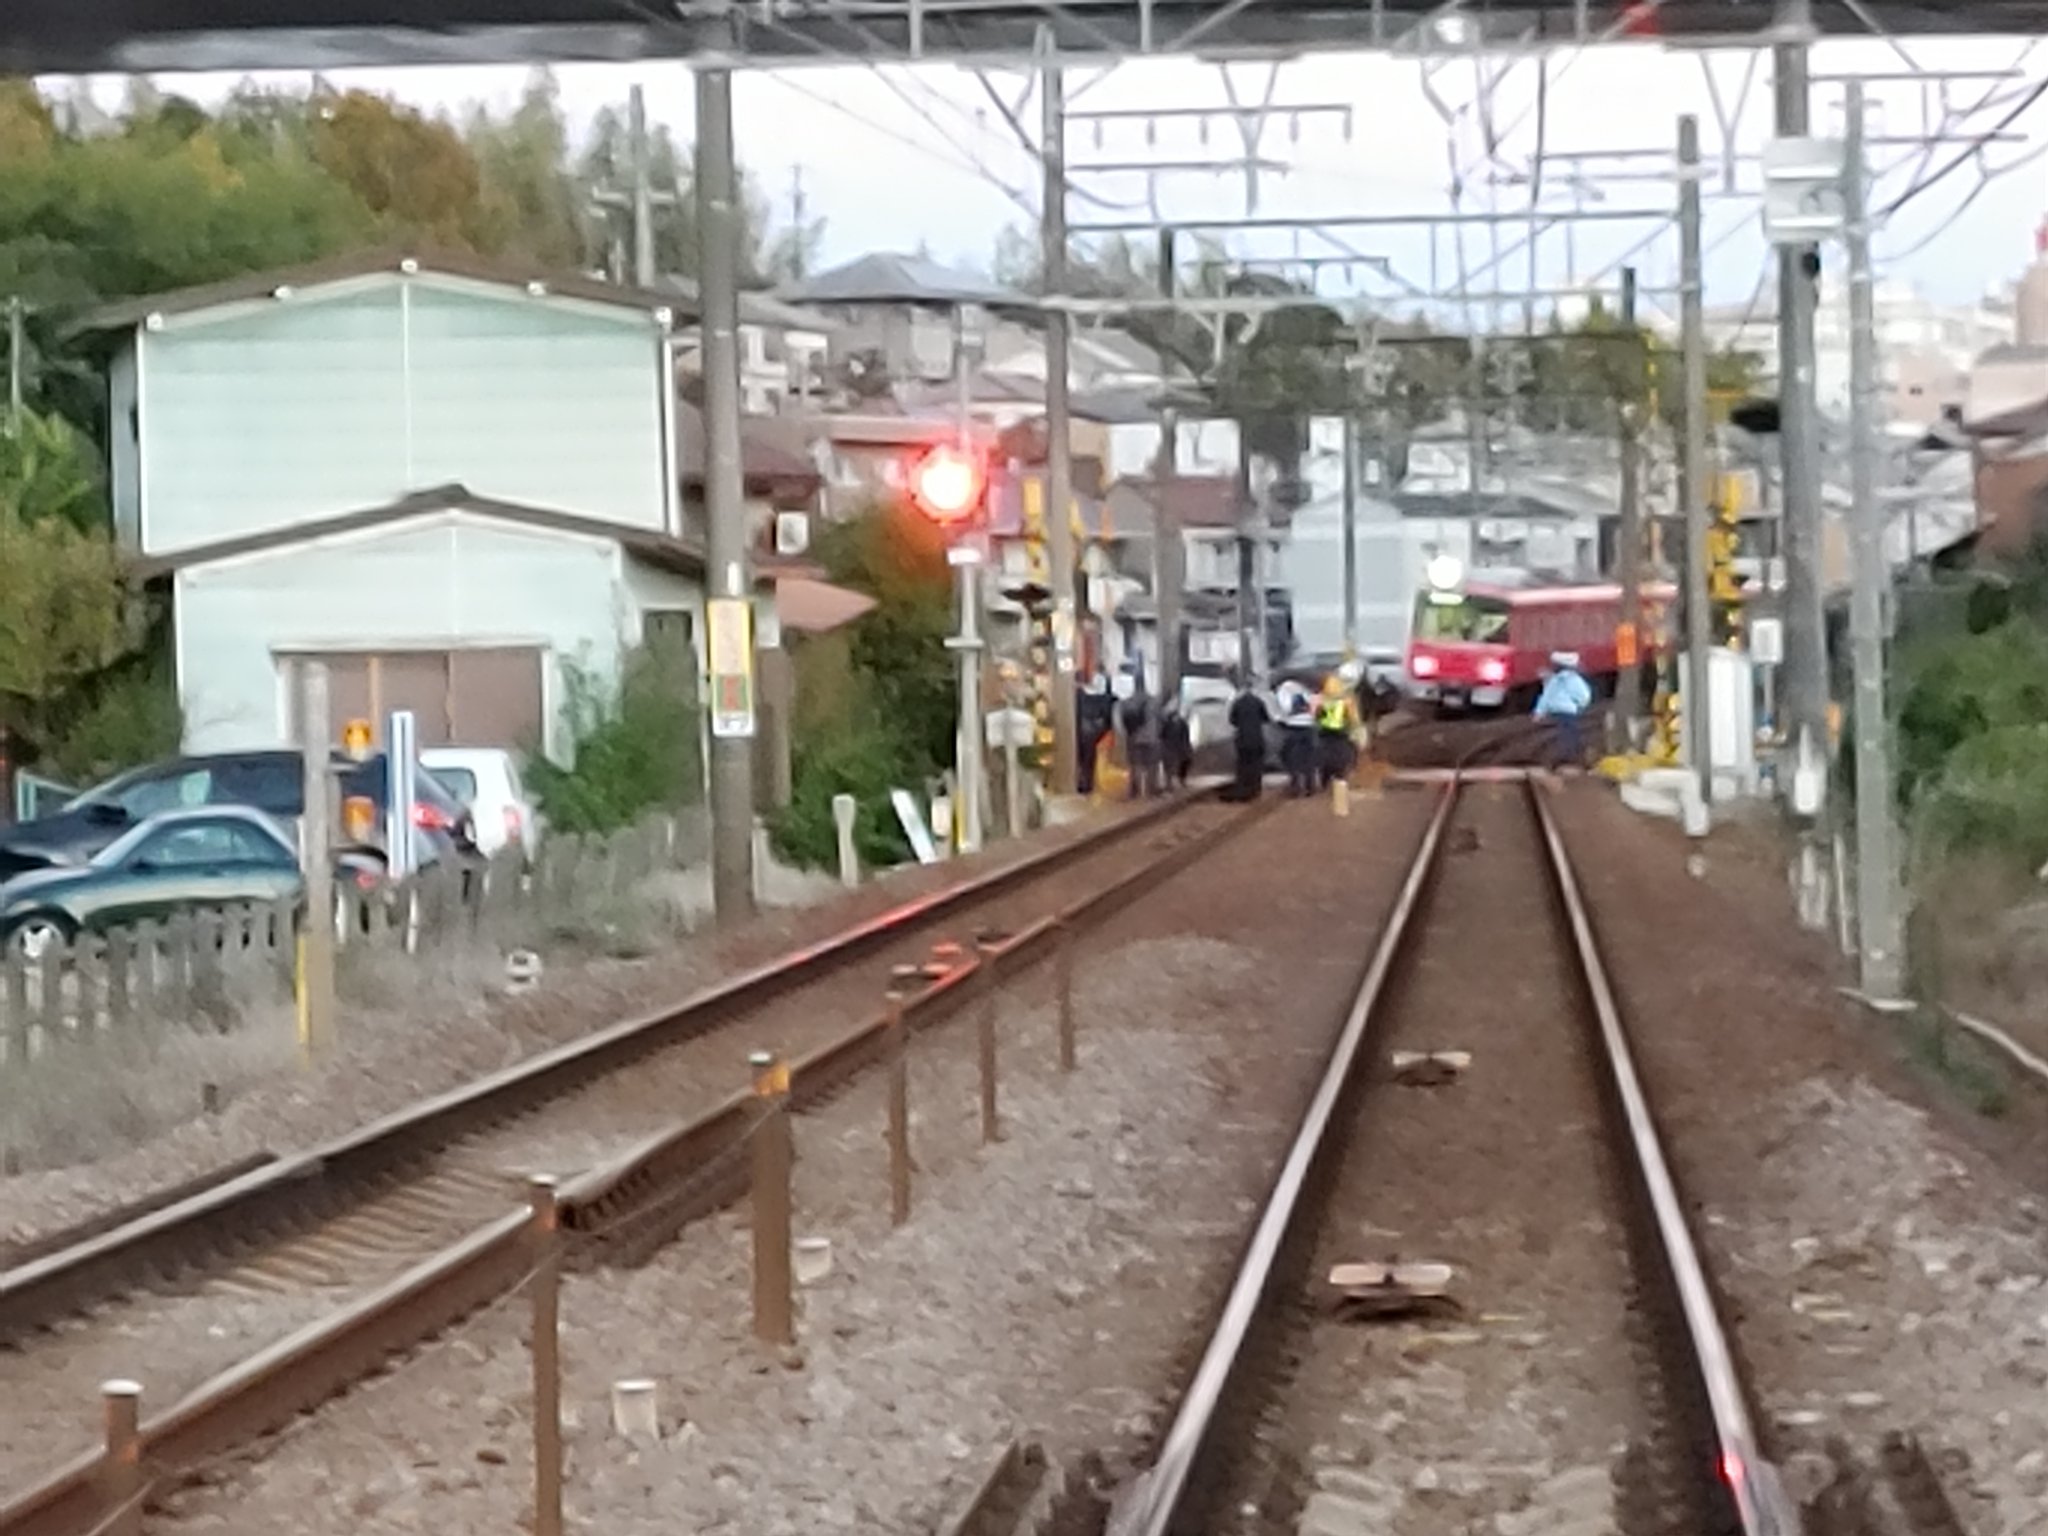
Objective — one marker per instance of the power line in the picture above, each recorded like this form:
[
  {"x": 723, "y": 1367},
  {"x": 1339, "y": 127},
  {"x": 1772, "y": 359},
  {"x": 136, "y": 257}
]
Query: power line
[{"x": 2026, "y": 102}]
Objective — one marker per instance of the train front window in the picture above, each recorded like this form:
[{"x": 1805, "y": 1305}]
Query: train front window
[{"x": 1448, "y": 617}]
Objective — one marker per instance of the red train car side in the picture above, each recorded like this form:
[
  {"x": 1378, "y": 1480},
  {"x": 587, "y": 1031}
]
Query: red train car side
[{"x": 1483, "y": 643}]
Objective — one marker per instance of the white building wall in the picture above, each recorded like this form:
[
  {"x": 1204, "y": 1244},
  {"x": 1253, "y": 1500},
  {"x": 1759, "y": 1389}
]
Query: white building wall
[
  {"x": 445, "y": 581},
  {"x": 278, "y": 412}
]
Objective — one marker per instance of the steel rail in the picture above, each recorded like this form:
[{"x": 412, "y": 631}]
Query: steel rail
[
  {"x": 303, "y": 1370},
  {"x": 1160, "y": 1492},
  {"x": 290, "y": 1192},
  {"x": 1760, "y": 1503}
]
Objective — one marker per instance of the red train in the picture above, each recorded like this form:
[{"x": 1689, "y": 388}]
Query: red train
[{"x": 1483, "y": 642}]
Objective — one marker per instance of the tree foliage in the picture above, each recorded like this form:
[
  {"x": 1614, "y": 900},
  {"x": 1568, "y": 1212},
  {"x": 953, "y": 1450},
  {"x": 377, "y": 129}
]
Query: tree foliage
[
  {"x": 174, "y": 195},
  {"x": 64, "y": 616},
  {"x": 412, "y": 172},
  {"x": 899, "y": 559},
  {"x": 49, "y": 471}
]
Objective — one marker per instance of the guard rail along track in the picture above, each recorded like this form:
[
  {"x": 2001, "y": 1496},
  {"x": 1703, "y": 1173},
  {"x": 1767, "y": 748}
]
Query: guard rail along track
[
  {"x": 1738, "y": 1484},
  {"x": 635, "y": 1201}
]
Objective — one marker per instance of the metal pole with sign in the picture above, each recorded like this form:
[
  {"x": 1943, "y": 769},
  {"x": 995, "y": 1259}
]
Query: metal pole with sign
[
  {"x": 729, "y": 587},
  {"x": 965, "y": 558},
  {"x": 1803, "y": 205},
  {"x": 401, "y": 764}
]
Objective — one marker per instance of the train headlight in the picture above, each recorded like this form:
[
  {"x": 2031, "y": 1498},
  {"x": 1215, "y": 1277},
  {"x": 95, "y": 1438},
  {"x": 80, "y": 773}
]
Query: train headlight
[{"x": 1444, "y": 572}]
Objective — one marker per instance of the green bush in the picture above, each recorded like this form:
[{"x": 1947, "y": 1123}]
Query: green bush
[
  {"x": 126, "y": 716},
  {"x": 1991, "y": 796},
  {"x": 637, "y": 747},
  {"x": 863, "y": 759},
  {"x": 1963, "y": 687}
]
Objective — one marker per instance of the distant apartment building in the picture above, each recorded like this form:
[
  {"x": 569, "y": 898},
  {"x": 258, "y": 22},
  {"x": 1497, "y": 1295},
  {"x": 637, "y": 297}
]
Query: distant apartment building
[{"x": 1926, "y": 348}]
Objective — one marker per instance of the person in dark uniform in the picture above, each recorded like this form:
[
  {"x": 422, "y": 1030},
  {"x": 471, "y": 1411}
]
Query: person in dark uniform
[
  {"x": 1298, "y": 740},
  {"x": 1176, "y": 746},
  {"x": 1095, "y": 712},
  {"x": 1248, "y": 731},
  {"x": 1140, "y": 722}
]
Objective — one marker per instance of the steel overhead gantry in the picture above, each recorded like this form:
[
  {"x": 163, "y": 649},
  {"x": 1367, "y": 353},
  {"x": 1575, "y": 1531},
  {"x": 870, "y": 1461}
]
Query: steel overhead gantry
[{"x": 130, "y": 36}]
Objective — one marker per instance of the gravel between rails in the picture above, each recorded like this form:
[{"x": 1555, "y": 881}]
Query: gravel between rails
[
  {"x": 1883, "y": 1266},
  {"x": 458, "y": 1024},
  {"x": 1512, "y": 1417},
  {"x": 177, "y": 1341},
  {"x": 1047, "y": 1285}
]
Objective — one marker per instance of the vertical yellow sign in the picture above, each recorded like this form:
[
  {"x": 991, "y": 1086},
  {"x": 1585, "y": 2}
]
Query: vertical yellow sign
[{"x": 729, "y": 622}]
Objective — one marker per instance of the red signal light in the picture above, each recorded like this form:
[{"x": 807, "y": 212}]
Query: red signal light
[{"x": 947, "y": 484}]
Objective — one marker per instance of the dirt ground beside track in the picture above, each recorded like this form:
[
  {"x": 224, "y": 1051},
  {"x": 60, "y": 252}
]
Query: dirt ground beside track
[
  {"x": 454, "y": 1026},
  {"x": 1046, "y": 1286},
  {"x": 1879, "y": 1239}
]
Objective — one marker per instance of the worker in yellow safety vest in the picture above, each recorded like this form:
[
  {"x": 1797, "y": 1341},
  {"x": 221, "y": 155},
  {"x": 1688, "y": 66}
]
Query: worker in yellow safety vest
[{"x": 1334, "y": 719}]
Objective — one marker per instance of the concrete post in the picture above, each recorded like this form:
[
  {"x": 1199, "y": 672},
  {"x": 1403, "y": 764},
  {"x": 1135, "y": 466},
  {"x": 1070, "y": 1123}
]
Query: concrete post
[
  {"x": 1692, "y": 463},
  {"x": 845, "y": 810},
  {"x": 1880, "y": 940},
  {"x": 1059, "y": 468},
  {"x": 729, "y": 583}
]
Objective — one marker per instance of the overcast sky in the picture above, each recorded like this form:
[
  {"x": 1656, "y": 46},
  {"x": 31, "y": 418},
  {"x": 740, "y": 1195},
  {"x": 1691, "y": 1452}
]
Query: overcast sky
[{"x": 893, "y": 157}]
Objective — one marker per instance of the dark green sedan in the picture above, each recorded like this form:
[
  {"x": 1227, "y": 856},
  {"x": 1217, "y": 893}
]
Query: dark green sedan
[{"x": 210, "y": 857}]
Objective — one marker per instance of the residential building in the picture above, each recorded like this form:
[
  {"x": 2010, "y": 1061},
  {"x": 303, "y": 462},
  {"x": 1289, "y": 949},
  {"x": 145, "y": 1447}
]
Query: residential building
[
  {"x": 1926, "y": 348},
  {"x": 902, "y": 314},
  {"x": 460, "y": 486},
  {"x": 785, "y": 351}
]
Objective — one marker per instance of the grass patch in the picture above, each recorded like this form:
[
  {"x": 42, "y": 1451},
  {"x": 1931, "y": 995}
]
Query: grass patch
[{"x": 1957, "y": 1062}]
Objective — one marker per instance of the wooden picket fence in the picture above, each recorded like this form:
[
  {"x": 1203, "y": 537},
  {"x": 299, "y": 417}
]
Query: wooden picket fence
[{"x": 204, "y": 970}]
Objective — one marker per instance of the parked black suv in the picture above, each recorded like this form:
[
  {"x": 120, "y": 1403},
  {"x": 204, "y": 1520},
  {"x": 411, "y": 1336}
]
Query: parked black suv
[{"x": 270, "y": 781}]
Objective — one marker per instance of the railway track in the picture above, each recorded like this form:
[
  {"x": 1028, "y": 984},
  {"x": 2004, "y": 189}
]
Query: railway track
[
  {"x": 1541, "y": 1349},
  {"x": 254, "y": 1300}
]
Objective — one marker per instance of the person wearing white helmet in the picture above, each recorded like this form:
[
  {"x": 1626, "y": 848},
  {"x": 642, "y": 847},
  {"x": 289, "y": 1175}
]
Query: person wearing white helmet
[{"x": 1565, "y": 698}]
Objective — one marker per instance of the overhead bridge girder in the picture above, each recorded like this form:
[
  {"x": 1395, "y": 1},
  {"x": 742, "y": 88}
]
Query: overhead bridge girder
[{"x": 138, "y": 36}]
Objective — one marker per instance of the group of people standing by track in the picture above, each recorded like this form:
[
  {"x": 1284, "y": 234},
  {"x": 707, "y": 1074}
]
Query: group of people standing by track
[
  {"x": 1159, "y": 747},
  {"x": 1321, "y": 730},
  {"x": 1320, "y": 734}
]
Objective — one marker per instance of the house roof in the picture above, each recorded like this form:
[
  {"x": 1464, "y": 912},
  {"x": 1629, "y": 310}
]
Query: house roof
[
  {"x": 128, "y": 313},
  {"x": 886, "y": 278},
  {"x": 1111, "y": 407},
  {"x": 1200, "y": 501},
  {"x": 770, "y": 462},
  {"x": 812, "y": 607},
  {"x": 762, "y": 309},
  {"x": 2008, "y": 392},
  {"x": 683, "y": 556}
]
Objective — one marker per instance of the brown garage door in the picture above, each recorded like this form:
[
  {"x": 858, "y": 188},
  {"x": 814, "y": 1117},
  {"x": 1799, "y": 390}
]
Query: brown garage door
[{"x": 488, "y": 697}]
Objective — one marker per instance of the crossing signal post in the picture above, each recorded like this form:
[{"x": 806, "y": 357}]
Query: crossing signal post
[{"x": 949, "y": 485}]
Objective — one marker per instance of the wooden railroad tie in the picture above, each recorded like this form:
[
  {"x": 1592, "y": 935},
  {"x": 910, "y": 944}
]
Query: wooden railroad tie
[{"x": 1375, "y": 1290}]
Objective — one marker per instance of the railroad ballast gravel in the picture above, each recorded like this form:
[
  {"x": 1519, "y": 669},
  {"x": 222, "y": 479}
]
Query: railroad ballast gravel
[
  {"x": 1879, "y": 1244},
  {"x": 446, "y": 1024},
  {"x": 1045, "y": 1286}
]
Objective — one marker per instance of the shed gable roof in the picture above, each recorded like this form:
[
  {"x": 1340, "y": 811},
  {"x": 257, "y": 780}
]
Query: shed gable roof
[
  {"x": 683, "y": 556},
  {"x": 251, "y": 287}
]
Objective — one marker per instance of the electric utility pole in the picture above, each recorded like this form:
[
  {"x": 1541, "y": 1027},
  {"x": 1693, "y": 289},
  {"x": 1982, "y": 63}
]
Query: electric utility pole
[
  {"x": 1169, "y": 558},
  {"x": 1692, "y": 463},
  {"x": 729, "y": 610},
  {"x": 1628, "y": 682},
  {"x": 1059, "y": 467},
  {"x": 638, "y": 200},
  {"x": 643, "y": 192},
  {"x": 1880, "y": 940}
]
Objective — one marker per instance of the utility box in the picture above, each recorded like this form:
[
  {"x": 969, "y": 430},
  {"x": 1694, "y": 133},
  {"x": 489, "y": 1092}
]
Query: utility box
[{"x": 1731, "y": 720}]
